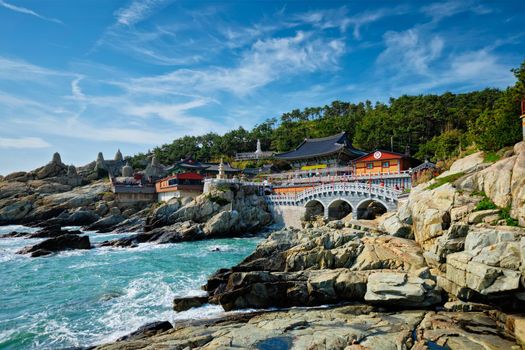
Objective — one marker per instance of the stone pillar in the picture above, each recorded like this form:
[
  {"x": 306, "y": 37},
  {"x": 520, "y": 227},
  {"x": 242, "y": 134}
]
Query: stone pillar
[
  {"x": 221, "y": 174},
  {"x": 56, "y": 158}
]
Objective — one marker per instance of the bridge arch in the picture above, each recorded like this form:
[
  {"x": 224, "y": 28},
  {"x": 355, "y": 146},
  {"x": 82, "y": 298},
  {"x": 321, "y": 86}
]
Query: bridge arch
[
  {"x": 369, "y": 208},
  {"x": 339, "y": 208},
  {"x": 314, "y": 208}
]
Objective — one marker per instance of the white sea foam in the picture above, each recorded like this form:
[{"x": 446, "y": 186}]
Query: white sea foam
[{"x": 18, "y": 228}]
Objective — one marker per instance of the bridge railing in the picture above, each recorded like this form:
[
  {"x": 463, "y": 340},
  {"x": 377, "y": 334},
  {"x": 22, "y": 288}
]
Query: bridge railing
[{"x": 337, "y": 187}]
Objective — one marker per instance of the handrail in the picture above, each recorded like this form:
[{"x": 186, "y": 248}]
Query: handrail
[{"x": 337, "y": 187}]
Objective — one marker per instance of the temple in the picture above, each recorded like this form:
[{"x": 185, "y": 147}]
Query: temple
[
  {"x": 321, "y": 153},
  {"x": 179, "y": 185}
]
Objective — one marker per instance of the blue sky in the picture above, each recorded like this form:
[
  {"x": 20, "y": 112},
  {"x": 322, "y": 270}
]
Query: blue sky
[{"x": 81, "y": 77}]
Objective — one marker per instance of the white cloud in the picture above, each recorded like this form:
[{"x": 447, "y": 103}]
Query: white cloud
[
  {"x": 342, "y": 18},
  {"x": 410, "y": 51},
  {"x": 137, "y": 11},
  {"x": 266, "y": 61},
  {"x": 27, "y": 11},
  {"x": 440, "y": 10},
  {"x": 23, "y": 143}
]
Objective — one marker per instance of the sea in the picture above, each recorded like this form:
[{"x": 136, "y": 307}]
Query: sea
[{"x": 89, "y": 297}]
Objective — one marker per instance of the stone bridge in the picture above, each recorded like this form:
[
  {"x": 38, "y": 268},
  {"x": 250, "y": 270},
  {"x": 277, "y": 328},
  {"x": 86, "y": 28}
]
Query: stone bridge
[{"x": 335, "y": 201}]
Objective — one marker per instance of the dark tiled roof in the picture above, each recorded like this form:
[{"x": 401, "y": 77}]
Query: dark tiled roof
[
  {"x": 215, "y": 167},
  {"x": 425, "y": 165},
  {"x": 321, "y": 147}
]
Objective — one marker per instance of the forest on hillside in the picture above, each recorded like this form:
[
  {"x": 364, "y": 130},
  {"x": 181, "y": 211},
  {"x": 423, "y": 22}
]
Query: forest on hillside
[{"x": 436, "y": 127}]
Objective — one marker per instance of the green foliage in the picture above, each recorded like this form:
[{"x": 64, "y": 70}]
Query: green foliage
[
  {"x": 219, "y": 200},
  {"x": 491, "y": 157},
  {"x": 446, "y": 145},
  {"x": 444, "y": 180},
  {"x": 437, "y": 127},
  {"x": 505, "y": 215},
  {"x": 485, "y": 204}
]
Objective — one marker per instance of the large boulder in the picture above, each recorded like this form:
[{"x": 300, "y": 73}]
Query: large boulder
[
  {"x": 57, "y": 244},
  {"x": 401, "y": 289}
]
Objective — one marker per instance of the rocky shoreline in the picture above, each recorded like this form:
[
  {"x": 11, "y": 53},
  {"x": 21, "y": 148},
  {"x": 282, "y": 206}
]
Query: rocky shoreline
[
  {"x": 442, "y": 272},
  {"x": 446, "y": 271}
]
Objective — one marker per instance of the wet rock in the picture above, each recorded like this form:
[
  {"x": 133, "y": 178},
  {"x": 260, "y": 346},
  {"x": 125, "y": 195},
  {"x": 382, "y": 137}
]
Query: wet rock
[
  {"x": 186, "y": 303},
  {"x": 57, "y": 244},
  {"x": 179, "y": 232},
  {"x": 107, "y": 224},
  {"x": 148, "y": 330},
  {"x": 349, "y": 327}
]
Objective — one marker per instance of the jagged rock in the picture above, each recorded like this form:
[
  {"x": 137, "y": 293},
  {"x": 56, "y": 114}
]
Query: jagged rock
[
  {"x": 179, "y": 232},
  {"x": 186, "y": 303},
  {"x": 78, "y": 197},
  {"x": 351, "y": 327},
  {"x": 458, "y": 330},
  {"x": 478, "y": 216},
  {"x": 392, "y": 224},
  {"x": 401, "y": 289},
  {"x": 465, "y": 165},
  {"x": 431, "y": 212},
  {"x": 56, "y": 244},
  {"x": 15, "y": 211},
  {"x": 222, "y": 223},
  {"x": 147, "y": 330},
  {"x": 385, "y": 252},
  {"x": 107, "y": 224},
  {"x": 16, "y": 176},
  {"x": 451, "y": 242}
]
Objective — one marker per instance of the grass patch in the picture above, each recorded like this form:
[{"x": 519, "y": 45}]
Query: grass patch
[
  {"x": 505, "y": 215},
  {"x": 485, "y": 204},
  {"x": 443, "y": 180},
  {"x": 491, "y": 157}
]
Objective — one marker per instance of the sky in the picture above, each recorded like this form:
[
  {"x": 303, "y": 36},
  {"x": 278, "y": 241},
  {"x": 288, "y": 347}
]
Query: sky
[{"x": 84, "y": 76}]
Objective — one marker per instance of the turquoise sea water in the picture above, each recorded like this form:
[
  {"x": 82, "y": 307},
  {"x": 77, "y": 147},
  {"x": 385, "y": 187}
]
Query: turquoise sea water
[{"x": 80, "y": 298}]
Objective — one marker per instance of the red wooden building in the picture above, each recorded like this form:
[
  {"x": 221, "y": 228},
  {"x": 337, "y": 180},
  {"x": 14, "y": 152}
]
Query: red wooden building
[{"x": 179, "y": 185}]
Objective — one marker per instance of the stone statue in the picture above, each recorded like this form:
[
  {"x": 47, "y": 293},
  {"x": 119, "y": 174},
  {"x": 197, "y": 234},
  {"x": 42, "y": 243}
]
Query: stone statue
[
  {"x": 56, "y": 158},
  {"x": 258, "y": 150},
  {"x": 71, "y": 170},
  {"x": 127, "y": 170}
]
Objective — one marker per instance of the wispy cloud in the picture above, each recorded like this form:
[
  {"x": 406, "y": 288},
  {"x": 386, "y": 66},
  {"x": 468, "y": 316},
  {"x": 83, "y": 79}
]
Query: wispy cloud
[
  {"x": 440, "y": 10},
  {"x": 23, "y": 143},
  {"x": 342, "y": 18},
  {"x": 410, "y": 51},
  {"x": 266, "y": 61},
  {"x": 27, "y": 11},
  {"x": 138, "y": 10}
]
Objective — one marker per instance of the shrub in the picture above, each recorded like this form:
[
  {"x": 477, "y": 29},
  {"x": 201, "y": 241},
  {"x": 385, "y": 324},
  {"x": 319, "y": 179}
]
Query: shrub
[
  {"x": 491, "y": 157},
  {"x": 505, "y": 215},
  {"x": 485, "y": 204},
  {"x": 219, "y": 200}
]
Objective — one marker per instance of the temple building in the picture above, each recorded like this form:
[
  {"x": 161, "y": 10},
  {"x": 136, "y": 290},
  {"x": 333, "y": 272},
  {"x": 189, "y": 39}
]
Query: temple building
[
  {"x": 132, "y": 187},
  {"x": 381, "y": 162},
  {"x": 179, "y": 185},
  {"x": 321, "y": 153}
]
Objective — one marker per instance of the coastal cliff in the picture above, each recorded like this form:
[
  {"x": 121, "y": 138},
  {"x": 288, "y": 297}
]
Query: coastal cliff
[{"x": 446, "y": 270}]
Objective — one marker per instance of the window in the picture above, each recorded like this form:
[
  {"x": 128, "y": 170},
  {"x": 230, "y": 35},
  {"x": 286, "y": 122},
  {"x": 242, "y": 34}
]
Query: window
[
  {"x": 370, "y": 165},
  {"x": 386, "y": 164}
]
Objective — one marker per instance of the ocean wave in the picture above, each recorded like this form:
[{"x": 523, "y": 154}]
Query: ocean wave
[{"x": 19, "y": 228}]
